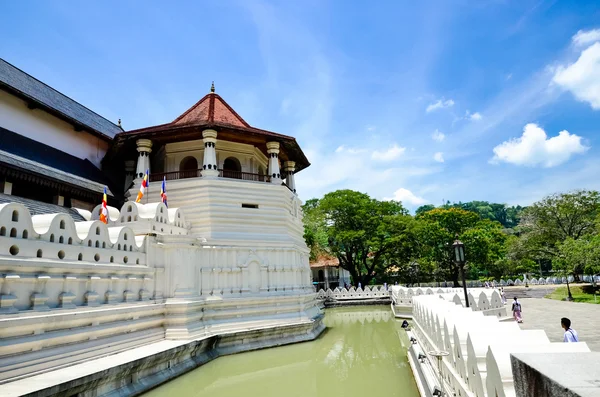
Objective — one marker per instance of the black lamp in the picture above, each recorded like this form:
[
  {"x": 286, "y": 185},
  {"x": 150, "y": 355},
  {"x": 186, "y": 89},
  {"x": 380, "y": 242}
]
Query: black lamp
[{"x": 459, "y": 259}]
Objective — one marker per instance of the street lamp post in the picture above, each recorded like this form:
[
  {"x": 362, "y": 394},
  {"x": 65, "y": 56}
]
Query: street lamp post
[{"x": 459, "y": 259}]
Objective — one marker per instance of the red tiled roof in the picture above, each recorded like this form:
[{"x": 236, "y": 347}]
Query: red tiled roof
[
  {"x": 209, "y": 112},
  {"x": 212, "y": 108},
  {"x": 325, "y": 262}
]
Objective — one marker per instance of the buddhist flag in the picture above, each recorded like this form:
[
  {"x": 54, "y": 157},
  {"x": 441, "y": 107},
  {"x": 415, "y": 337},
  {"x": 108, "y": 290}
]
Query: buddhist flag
[
  {"x": 104, "y": 210},
  {"x": 163, "y": 192},
  {"x": 143, "y": 188}
]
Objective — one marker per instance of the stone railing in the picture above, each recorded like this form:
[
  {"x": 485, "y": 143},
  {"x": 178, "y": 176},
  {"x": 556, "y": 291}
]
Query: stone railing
[
  {"x": 478, "y": 346},
  {"x": 50, "y": 261},
  {"x": 341, "y": 294}
]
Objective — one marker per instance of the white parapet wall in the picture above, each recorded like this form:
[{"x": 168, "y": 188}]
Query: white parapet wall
[
  {"x": 478, "y": 346},
  {"x": 72, "y": 291}
]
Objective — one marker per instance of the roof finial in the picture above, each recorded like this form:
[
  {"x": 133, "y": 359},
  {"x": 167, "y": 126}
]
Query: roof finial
[
  {"x": 119, "y": 122},
  {"x": 212, "y": 87}
]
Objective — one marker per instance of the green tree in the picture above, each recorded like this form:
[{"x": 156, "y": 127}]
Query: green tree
[
  {"x": 366, "y": 235},
  {"x": 315, "y": 234},
  {"x": 424, "y": 208},
  {"x": 437, "y": 234},
  {"x": 547, "y": 224},
  {"x": 485, "y": 246}
]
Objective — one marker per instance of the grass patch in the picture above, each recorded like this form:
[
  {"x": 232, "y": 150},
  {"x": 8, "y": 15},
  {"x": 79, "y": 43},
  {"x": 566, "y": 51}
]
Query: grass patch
[{"x": 581, "y": 293}]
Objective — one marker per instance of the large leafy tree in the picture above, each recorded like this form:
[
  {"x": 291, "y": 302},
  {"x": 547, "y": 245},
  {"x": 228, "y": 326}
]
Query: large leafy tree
[
  {"x": 557, "y": 219},
  {"x": 438, "y": 231},
  {"x": 484, "y": 240},
  {"x": 366, "y": 235}
]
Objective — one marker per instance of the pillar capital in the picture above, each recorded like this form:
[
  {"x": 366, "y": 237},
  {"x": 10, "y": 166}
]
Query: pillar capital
[
  {"x": 289, "y": 166},
  {"x": 144, "y": 145},
  {"x": 273, "y": 147},
  {"x": 207, "y": 134}
]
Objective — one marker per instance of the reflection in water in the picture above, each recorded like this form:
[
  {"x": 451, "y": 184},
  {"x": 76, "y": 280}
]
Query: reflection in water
[{"x": 359, "y": 354}]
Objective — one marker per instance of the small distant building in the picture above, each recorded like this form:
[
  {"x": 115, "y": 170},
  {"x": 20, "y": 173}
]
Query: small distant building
[{"x": 327, "y": 273}]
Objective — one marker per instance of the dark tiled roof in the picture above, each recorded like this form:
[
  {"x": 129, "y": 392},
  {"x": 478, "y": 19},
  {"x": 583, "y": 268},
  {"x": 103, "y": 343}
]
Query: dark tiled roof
[
  {"x": 16, "y": 80},
  {"x": 39, "y": 208},
  {"x": 35, "y": 151}
]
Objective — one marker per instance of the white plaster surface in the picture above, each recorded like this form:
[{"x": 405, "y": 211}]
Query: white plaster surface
[{"x": 49, "y": 130}]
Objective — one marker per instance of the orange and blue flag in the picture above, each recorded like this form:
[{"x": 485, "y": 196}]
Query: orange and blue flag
[
  {"x": 104, "y": 209},
  {"x": 163, "y": 192},
  {"x": 144, "y": 187}
]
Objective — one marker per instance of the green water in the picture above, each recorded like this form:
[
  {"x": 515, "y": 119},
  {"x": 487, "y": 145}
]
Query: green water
[{"x": 362, "y": 353}]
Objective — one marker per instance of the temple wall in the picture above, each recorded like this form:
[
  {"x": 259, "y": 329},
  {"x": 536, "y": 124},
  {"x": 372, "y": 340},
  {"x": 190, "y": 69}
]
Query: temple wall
[
  {"x": 213, "y": 206},
  {"x": 73, "y": 291},
  {"x": 40, "y": 126}
]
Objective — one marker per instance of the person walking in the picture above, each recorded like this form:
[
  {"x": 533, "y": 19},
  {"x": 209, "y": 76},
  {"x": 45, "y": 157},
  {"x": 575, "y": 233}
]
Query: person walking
[
  {"x": 503, "y": 296},
  {"x": 570, "y": 333},
  {"x": 516, "y": 309}
]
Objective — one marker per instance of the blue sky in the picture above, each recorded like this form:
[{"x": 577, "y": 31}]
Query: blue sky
[{"x": 419, "y": 101}]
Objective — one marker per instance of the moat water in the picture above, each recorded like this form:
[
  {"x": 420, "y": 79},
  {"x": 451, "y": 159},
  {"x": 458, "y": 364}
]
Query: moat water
[{"x": 361, "y": 353}]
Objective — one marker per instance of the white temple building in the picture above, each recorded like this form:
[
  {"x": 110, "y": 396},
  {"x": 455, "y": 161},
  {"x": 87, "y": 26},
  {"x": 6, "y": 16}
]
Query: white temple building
[{"x": 94, "y": 308}]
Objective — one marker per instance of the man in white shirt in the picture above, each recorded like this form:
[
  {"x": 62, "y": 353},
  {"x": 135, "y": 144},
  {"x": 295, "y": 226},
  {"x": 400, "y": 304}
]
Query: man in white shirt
[{"x": 570, "y": 334}]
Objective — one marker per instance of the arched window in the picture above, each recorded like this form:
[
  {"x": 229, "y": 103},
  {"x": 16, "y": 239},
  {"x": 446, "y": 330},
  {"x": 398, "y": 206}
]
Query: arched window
[
  {"x": 232, "y": 168},
  {"x": 188, "y": 168}
]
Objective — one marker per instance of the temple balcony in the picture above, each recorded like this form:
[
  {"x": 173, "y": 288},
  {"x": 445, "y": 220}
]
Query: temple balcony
[{"x": 227, "y": 174}]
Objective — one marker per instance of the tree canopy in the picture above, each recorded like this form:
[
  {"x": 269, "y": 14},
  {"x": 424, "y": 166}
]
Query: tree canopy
[{"x": 373, "y": 239}]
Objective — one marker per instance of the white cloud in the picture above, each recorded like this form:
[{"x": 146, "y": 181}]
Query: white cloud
[
  {"x": 392, "y": 153},
  {"x": 582, "y": 78},
  {"x": 438, "y": 136},
  {"x": 582, "y": 38},
  {"x": 440, "y": 104},
  {"x": 508, "y": 76},
  {"x": 407, "y": 197},
  {"x": 535, "y": 148},
  {"x": 344, "y": 149},
  {"x": 439, "y": 157},
  {"x": 475, "y": 116}
]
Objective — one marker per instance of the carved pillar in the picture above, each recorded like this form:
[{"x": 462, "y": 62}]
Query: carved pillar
[
  {"x": 7, "y": 299},
  {"x": 206, "y": 284},
  {"x": 209, "y": 166},
  {"x": 144, "y": 148},
  {"x": 274, "y": 172},
  {"x": 290, "y": 167},
  {"x": 264, "y": 277},
  {"x": 245, "y": 281}
]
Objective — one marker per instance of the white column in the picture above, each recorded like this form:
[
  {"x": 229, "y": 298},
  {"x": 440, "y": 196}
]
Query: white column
[
  {"x": 274, "y": 172},
  {"x": 290, "y": 167},
  {"x": 144, "y": 148},
  {"x": 209, "y": 166},
  {"x": 129, "y": 173}
]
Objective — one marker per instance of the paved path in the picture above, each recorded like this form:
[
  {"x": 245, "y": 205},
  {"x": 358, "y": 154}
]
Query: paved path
[{"x": 546, "y": 314}]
